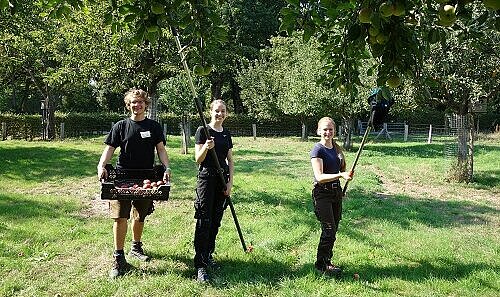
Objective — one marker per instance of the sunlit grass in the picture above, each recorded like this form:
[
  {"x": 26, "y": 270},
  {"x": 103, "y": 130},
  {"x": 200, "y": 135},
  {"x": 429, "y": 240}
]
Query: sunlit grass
[{"x": 405, "y": 230}]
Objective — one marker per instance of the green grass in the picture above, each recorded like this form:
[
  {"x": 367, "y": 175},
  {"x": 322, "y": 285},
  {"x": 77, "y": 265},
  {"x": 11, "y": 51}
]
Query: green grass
[{"x": 405, "y": 230}]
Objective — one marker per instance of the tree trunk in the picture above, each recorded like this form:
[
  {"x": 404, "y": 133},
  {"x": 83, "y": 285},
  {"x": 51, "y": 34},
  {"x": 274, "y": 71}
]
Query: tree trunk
[
  {"x": 470, "y": 156},
  {"x": 185, "y": 133},
  {"x": 216, "y": 88},
  {"x": 48, "y": 125},
  {"x": 303, "y": 134},
  {"x": 153, "y": 108},
  {"x": 235, "y": 92},
  {"x": 462, "y": 170},
  {"x": 348, "y": 124},
  {"x": 152, "y": 90}
]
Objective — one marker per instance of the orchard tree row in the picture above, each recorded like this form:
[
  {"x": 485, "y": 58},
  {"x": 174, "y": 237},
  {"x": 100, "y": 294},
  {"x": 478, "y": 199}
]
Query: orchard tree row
[{"x": 78, "y": 52}]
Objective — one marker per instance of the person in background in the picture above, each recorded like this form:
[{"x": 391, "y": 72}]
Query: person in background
[
  {"x": 137, "y": 137},
  {"x": 211, "y": 192},
  {"x": 328, "y": 164}
]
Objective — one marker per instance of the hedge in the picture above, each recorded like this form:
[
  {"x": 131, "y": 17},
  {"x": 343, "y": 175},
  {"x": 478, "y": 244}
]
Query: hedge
[{"x": 29, "y": 127}]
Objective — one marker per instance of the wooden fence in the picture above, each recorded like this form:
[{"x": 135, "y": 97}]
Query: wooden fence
[
  {"x": 415, "y": 132},
  {"x": 387, "y": 131}
]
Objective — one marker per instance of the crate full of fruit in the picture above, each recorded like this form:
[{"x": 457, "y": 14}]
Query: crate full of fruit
[{"x": 135, "y": 184}]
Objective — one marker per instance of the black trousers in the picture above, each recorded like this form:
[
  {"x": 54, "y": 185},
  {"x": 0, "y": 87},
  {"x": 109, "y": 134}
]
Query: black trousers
[
  {"x": 327, "y": 200},
  {"x": 209, "y": 207}
]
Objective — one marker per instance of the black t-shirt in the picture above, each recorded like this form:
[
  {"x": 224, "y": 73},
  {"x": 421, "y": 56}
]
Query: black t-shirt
[
  {"x": 137, "y": 142},
  {"x": 331, "y": 158},
  {"x": 223, "y": 143}
]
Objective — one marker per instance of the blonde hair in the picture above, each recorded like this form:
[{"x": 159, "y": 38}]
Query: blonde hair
[
  {"x": 136, "y": 94},
  {"x": 216, "y": 101},
  {"x": 339, "y": 150}
]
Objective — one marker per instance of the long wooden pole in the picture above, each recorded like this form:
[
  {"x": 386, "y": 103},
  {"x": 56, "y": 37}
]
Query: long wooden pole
[
  {"x": 368, "y": 129},
  {"x": 207, "y": 134}
]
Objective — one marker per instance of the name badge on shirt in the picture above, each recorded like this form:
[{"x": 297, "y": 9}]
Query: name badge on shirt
[{"x": 145, "y": 134}]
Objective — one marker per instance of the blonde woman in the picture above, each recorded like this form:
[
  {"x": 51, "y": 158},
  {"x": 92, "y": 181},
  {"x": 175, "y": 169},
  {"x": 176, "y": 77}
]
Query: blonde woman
[{"x": 328, "y": 164}]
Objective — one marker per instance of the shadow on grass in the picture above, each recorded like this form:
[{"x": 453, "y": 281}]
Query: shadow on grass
[
  {"x": 260, "y": 153},
  {"x": 406, "y": 211},
  {"x": 15, "y": 207},
  {"x": 46, "y": 163},
  {"x": 269, "y": 272},
  {"x": 481, "y": 148},
  {"x": 440, "y": 268},
  {"x": 233, "y": 272},
  {"x": 417, "y": 151},
  {"x": 486, "y": 179}
]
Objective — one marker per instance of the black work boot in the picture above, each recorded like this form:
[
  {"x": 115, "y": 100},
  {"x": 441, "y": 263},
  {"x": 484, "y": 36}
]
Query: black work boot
[
  {"x": 137, "y": 251},
  {"x": 202, "y": 275},
  {"x": 212, "y": 264},
  {"x": 329, "y": 269},
  {"x": 120, "y": 265}
]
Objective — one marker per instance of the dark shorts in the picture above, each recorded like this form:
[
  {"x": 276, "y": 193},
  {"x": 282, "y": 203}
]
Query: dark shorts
[{"x": 122, "y": 209}]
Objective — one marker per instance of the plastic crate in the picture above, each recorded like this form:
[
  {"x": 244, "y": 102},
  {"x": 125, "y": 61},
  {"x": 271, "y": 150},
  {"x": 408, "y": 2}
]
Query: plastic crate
[{"x": 120, "y": 184}]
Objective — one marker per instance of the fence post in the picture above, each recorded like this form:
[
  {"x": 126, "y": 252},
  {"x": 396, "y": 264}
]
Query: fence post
[
  {"x": 429, "y": 139},
  {"x": 165, "y": 131},
  {"x": 254, "y": 131},
  {"x": 61, "y": 133},
  {"x": 360, "y": 127},
  {"x": 4, "y": 130},
  {"x": 406, "y": 132},
  {"x": 112, "y": 124}
]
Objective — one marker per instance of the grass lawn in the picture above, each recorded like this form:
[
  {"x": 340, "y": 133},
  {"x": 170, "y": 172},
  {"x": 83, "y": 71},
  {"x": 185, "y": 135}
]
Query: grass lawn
[{"x": 405, "y": 230}]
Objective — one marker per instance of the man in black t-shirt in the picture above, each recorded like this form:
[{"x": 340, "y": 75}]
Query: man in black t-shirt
[{"x": 137, "y": 137}]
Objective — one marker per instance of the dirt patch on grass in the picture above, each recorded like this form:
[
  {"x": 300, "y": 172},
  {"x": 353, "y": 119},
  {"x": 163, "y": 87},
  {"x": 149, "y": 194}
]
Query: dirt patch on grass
[
  {"x": 482, "y": 199},
  {"x": 95, "y": 207},
  {"x": 406, "y": 185}
]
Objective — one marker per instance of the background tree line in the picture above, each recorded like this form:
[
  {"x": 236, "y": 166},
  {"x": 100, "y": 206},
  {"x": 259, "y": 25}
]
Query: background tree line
[{"x": 84, "y": 60}]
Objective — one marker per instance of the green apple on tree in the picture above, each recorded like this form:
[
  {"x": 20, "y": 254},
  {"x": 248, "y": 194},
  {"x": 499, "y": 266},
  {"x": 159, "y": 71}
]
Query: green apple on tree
[
  {"x": 382, "y": 38},
  {"x": 385, "y": 9},
  {"x": 198, "y": 70},
  {"x": 206, "y": 70},
  {"x": 372, "y": 39},
  {"x": 153, "y": 29},
  {"x": 393, "y": 81},
  {"x": 342, "y": 88},
  {"x": 365, "y": 15},
  {"x": 157, "y": 8},
  {"x": 398, "y": 8},
  {"x": 373, "y": 31}
]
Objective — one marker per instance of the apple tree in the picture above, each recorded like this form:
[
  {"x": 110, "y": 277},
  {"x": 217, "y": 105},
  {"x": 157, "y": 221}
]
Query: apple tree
[
  {"x": 401, "y": 35},
  {"x": 397, "y": 33}
]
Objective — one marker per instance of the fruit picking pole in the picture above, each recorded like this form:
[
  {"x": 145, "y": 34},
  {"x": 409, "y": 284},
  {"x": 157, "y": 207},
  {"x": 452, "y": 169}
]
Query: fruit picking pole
[
  {"x": 368, "y": 128},
  {"x": 207, "y": 134}
]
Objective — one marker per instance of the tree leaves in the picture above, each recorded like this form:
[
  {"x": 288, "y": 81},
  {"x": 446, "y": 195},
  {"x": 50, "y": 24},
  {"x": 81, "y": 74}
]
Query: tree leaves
[{"x": 398, "y": 42}]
